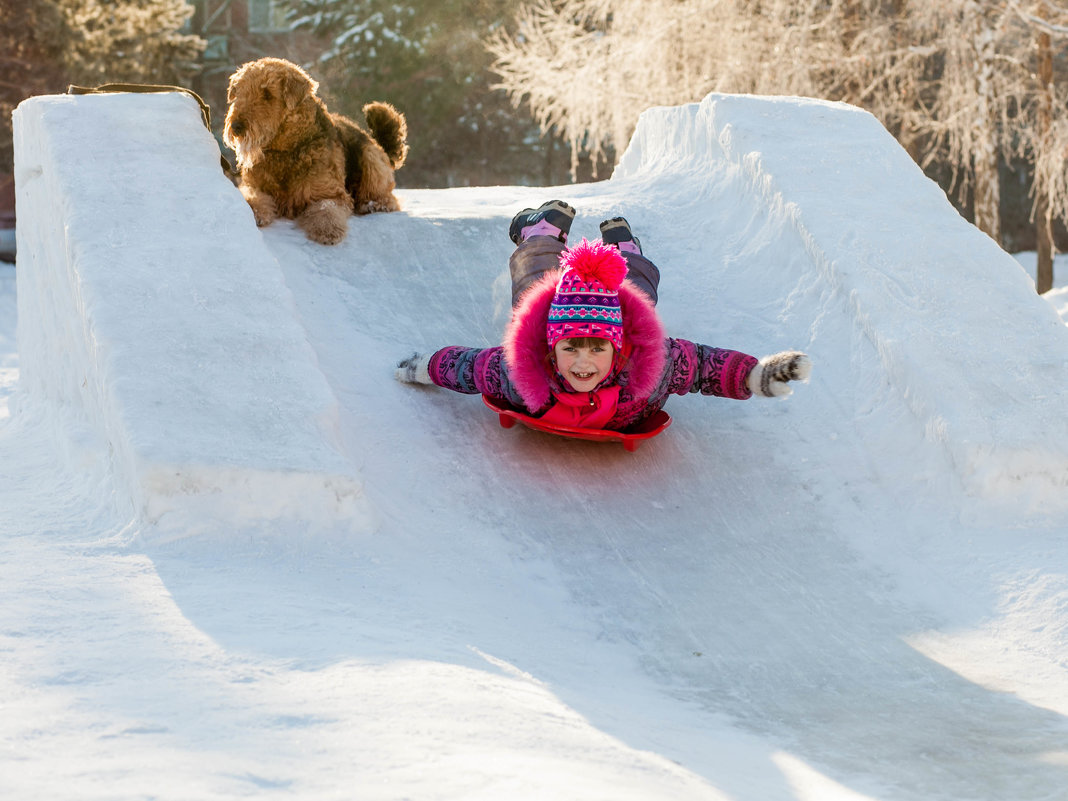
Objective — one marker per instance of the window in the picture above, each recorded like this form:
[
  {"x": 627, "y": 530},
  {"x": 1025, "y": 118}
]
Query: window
[
  {"x": 212, "y": 16},
  {"x": 265, "y": 16}
]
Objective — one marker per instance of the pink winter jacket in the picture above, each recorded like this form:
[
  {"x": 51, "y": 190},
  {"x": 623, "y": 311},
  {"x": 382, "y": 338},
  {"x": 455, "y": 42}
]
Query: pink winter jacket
[{"x": 655, "y": 366}]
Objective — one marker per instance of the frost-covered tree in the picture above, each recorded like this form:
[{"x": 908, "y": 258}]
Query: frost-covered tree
[
  {"x": 965, "y": 85},
  {"x": 991, "y": 95},
  {"x": 1043, "y": 140},
  {"x": 370, "y": 37},
  {"x": 591, "y": 66}
]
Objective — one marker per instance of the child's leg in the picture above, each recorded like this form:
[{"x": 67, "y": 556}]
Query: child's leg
[
  {"x": 540, "y": 235},
  {"x": 643, "y": 273},
  {"x": 531, "y": 260},
  {"x": 640, "y": 270}
]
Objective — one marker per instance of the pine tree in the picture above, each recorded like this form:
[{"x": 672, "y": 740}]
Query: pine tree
[
  {"x": 48, "y": 44},
  {"x": 130, "y": 41},
  {"x": 428, "y": 59}
]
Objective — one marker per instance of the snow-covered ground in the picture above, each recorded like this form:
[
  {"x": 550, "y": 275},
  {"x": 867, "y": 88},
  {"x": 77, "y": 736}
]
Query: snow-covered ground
[
  {"x": 237, "y": 560},
  {"x": 1058, "y": 296}
]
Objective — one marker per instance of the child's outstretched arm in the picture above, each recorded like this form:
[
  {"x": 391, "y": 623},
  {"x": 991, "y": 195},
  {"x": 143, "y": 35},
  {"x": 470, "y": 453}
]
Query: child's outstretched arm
[
  {"x": 770, "y": 377},
  {"x": 732, "y": 374},
  {"x": 467, "y": 370}
]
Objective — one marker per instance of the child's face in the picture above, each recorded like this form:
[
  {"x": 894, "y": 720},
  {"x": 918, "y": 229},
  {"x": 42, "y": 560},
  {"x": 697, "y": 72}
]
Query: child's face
[{"x": 585, "y": 366}]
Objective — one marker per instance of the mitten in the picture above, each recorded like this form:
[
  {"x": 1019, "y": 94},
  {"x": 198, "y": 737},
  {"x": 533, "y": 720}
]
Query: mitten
[
  {"x": 770, "y": 375},
  {"x": 414, "y": 370}
]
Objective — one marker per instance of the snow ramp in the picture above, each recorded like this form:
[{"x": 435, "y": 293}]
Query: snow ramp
[
  {"x": 136, "y": 246},
  {"x": 848, "y": 594},
  {"x": 778, "y": 563},
  {"x": 955, "y": 327}
]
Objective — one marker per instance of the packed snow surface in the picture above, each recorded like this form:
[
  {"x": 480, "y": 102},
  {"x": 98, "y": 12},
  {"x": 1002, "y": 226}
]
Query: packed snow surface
[{"x": 238, "y": 560}]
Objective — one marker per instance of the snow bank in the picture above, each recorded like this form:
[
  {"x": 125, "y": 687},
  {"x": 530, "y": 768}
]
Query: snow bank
[
  {"x": 774, "y": 601},
  {"x": 1058, "y": 295},
  {"x": 915, "y": 275},
  {"x": 149, "y": 303}
]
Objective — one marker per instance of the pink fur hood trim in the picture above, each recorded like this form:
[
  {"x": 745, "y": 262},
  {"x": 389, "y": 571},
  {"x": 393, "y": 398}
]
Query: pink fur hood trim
[{"x": 526, "y": 345}]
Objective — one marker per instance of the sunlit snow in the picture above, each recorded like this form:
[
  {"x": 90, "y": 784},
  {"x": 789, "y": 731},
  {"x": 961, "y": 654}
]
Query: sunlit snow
[{"x": 238, "y": 560}]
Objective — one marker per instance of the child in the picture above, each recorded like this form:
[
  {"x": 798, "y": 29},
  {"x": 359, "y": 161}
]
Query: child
[{"x": 585, "y": 346}]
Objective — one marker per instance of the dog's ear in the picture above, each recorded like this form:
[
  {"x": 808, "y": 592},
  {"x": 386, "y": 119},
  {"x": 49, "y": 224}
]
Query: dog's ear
[
  {"x": 296, "y": 87},
  {"x": 231, "y": 89}
]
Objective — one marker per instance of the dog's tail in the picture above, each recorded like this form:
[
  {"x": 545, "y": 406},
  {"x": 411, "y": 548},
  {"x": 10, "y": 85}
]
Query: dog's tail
[{"x": 390, "y": 130}]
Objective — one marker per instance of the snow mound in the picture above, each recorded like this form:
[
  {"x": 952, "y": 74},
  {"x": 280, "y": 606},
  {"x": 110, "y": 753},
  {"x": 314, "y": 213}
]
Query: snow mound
[
  {"x": 955, "y": 321},
  {"x": 149, "y": 303},
  {"x": 774, "y": 601}
]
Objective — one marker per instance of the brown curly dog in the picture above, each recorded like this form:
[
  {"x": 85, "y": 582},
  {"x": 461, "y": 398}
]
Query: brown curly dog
[{"x": 299, "y": 160}]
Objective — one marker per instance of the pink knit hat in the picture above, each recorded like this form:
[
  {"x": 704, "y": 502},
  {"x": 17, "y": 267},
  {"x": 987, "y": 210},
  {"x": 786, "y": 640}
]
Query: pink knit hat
[{"x": 586, "y": 303}]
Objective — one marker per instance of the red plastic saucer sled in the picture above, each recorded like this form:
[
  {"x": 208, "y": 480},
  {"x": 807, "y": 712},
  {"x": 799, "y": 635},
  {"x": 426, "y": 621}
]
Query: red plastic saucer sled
[{"x": 631, "y": 438}]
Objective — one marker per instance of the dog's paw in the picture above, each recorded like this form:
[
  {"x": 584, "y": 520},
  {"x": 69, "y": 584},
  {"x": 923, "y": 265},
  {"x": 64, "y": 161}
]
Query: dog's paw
[
  {"x": 263, "y": 208},
  {"x": 327, "y": 237},
  {"x": 376, "y": 205},
  {"x": 326, "y": 222}
]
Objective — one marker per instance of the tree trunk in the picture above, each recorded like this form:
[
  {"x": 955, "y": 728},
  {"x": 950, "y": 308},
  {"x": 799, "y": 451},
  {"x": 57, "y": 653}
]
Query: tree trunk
[
  {"x": 1043, "y": 224},
  {"x": 987, "y": 191},
  {"x": 1044, "y": 235},
  {"x": 550, "y": 157}
]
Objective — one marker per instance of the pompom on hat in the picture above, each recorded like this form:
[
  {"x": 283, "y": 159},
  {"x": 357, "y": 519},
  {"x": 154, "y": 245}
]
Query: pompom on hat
[{"x": 586, "y": 303}]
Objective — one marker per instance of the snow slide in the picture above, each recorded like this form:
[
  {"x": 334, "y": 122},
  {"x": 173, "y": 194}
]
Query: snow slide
[
  {"x": 856, "y": 593},
  {"x": 136, "y": 242}
]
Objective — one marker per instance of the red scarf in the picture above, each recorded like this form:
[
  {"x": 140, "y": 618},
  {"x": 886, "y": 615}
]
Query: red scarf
[{"x": 584, "y": 409}]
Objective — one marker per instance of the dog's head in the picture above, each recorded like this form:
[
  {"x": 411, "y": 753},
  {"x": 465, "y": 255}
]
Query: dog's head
[{"x": 261, "y": 95}]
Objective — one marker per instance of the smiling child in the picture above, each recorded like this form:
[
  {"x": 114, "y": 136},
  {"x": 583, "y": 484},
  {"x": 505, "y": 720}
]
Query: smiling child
[{"x": 585, "y": 346}]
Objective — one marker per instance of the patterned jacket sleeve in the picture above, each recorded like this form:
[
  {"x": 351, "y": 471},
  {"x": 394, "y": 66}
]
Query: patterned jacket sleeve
[
  {"x": 710, "y": 371},
  {"x": 474, "y": 371}
]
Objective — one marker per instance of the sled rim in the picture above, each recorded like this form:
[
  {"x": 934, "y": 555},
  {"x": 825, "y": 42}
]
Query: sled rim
[{"x": 652, "y": 426}]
